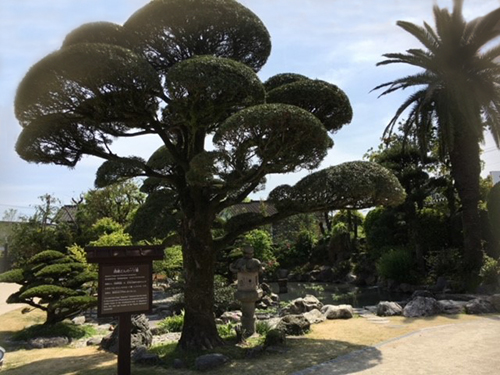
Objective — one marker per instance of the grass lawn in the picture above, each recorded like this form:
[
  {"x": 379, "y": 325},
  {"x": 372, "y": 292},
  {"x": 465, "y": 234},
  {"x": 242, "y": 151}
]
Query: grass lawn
[{"x": 326, "y": 341}]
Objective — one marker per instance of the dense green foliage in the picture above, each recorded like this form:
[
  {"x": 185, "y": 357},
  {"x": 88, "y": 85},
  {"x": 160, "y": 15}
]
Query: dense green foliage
[
  {"x": 198, "y": 83},
  {"x": 60, "y": 329},
  {"x": 53, "y": 282},
  {"x": 38, "y": 232},
  {"x": 172, "y": 323},
  {"x": 396, "y": 264},
  {"x": 493, "y": 205},
  {"x": 453, "y": 103}
]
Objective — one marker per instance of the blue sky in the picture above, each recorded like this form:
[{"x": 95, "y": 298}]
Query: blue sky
[{"x": 339, "y": 41}]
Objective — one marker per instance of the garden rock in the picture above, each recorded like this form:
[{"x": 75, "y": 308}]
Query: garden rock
[
  {"x": 479, "y": 306},
  {"x": 495, "y": 301},
  {"x": 141, "y": 356},
  {"x": 231, "y": 316},
  {"x": 273, "y": 322},
  {"x": 210, "y": 361},
  {"x": 451, "y": 307},
  {"x": 178, "y": 363},
  {"x": 267, "y": 301},
  {"x": 302, "y": 305},
  {"x": 47, "y": 342},
  {"x": 338, "y": 312},
  {"x": 140, "y": 335},
  {"x": 422, "y": 306},
  {"x": 78, "y": 320},
  {"x": 94, "y": 341},
  {"x": 275, "y": 337},
  {"x": 386, "y": 308},
  {"x": 294, "y": 325},
  {"x": 314, "y": 316}
]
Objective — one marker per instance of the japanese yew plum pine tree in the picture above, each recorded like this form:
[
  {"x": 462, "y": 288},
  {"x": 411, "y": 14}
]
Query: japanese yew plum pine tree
[
  {"x": 53, "y": 282},
  {"x": 185, "y": 70}
]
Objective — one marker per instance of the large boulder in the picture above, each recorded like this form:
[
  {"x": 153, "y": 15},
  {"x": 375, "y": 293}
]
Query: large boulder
[
  {"x": 210, "y": 361},
  {"x": 479, "y": 306},
  {"x": 314, "y": 316},
  {"x": 338, "y": 312},
  {"x": 294, "y": 325},
  {"x": 421, "y": 306},
  {"x": 386, "y": 308},
  {"x": 495, "y": 301},
  {"x": 142, "y": 356},
  {"x": 452, "y": 307},
  {"x": 141, "y": 335},
  {"x": 302, "y": 305}
]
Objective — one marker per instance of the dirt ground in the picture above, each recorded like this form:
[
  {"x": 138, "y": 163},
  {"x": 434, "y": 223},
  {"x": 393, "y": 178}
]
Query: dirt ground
[{"x": 441, "y": 345}]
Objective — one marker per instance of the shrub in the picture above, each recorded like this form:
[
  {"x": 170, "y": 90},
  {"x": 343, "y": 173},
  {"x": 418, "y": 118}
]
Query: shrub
[
  {"x": 171, "y": 265},
  {"x": 262, "y": 244},
  {"x": 172, "y": 323},
  {"x": 223, "y": 295},
  {"x": 432, "y": 229},
  {"x": 383, "y": 228},
  {"x": 59, "y": 329},
  {"x": 226, "y": 331},
  {"x": 52, "y": 282},
  {"x": 397, "y": 265},
  {"x": 445, "y": 262},
  {"x": 262, "y": 327},
  {"x": 493, "y": 205},
  {"x": 490, "y": 271}
]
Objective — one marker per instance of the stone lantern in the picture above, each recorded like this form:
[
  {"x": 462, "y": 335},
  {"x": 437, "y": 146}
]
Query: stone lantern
[{"x": 247, "y": 269}]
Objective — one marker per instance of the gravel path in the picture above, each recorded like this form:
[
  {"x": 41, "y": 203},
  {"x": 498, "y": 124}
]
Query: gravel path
[
  {"x": 6, "y": 289},
  {"x": 455, "y": 349}
]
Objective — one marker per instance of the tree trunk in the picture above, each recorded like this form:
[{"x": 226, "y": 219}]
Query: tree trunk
[
  {"x": 199, "y": 330},
  {"x": 465, "y": 169}
]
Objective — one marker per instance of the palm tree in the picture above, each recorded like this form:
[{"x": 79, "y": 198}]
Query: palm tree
[{"x": 456, "y": 97}]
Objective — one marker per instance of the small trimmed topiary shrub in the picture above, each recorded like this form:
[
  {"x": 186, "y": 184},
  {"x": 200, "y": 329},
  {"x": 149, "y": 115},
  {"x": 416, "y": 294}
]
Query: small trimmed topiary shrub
[{"x": 54, "y": 282}]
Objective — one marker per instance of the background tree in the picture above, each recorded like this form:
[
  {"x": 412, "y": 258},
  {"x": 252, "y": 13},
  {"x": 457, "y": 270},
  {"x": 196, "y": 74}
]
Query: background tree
[
  {"x": 53, "y": 282},
  {"x": 118, "y": 202},
  {"x": 493, "y": 205},
  {"x": 39, "y": 232},
  {"x": 459, "y": 97},
  {"x": 184, "y": 70}
]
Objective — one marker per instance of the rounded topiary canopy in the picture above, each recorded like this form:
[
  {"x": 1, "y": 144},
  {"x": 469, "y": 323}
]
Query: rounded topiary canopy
[
  {"x": 174, "y": 30},
  {"x": 356, "y": 184},
  {"x": 283, "y": 79},
  {"x": 281, "y": 138},
  {"x": 103, "y": 33},
  {"x": 324, "y": 100},
  {"x": 68, "y": 104},
  {"x": 198, "y": 89}
]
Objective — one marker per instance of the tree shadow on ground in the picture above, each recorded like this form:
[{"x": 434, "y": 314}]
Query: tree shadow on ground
[
  {"x": 299, "y": 354},
  {"x": 63, "y": 365}
]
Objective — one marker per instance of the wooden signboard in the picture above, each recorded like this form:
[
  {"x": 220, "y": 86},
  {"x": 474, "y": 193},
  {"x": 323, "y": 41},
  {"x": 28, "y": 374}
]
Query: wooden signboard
[{"x": 125, "y": 288}]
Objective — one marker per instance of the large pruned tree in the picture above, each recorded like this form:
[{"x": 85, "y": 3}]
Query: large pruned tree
[
  {"x": 185, "y": 71},
  {"x": 457, "y": 97}
]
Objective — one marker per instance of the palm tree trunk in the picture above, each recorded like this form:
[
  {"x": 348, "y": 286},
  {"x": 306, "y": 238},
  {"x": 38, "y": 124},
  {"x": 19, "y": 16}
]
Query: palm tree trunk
[{"x": 465, "y": 170}]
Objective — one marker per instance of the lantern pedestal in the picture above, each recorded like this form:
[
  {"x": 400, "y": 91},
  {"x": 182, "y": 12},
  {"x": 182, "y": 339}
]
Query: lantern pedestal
[{"x": 248, "y": 299}]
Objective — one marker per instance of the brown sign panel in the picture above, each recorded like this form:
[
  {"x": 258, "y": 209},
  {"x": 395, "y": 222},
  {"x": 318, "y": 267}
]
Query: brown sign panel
[{"x": 124, "y": 288}]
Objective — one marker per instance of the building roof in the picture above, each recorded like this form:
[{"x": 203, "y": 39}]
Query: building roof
[{"x": 66, "y": 214}]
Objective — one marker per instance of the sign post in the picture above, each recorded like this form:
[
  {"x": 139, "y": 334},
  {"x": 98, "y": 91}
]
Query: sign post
[{"x": 125, "y": 287}]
